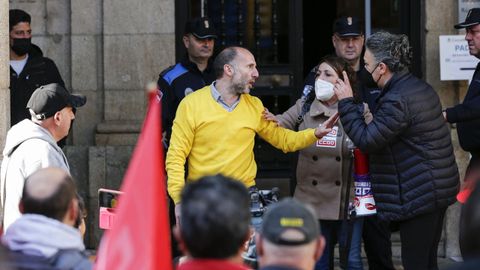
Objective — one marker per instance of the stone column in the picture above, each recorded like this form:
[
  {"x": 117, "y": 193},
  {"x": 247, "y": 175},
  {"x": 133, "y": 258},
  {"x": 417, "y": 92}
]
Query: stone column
[
  {"x": 4, "y": 73},
  {"x": 440, "y": 16}
]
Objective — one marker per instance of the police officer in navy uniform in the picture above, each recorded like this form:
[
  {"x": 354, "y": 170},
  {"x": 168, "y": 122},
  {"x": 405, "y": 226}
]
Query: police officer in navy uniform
[
  {"x": 467, "y": 114},
  {"x": 193, "y": 72}
]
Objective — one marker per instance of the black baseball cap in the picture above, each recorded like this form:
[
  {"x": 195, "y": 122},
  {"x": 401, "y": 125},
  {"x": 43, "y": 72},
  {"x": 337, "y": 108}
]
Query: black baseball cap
[
  {"x": 473, "y": 18},
  {"x": 51, "y": 98},
  {"x": 289, "y": 214},
  {"x": 201, "y": 28},
  {"x": 347, "y": 26}
]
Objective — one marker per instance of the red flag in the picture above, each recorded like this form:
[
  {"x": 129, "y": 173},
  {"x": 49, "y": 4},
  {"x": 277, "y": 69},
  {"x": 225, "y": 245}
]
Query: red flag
[{"x": 140, "y": 237}]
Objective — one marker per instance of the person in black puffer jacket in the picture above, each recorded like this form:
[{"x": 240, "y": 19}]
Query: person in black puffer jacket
[
  {"x": 29, "y": 69},
  {"x": 412, "y": 165}
]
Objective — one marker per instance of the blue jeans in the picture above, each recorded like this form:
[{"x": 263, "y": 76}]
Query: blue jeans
[{"x": 337, "y": 231}]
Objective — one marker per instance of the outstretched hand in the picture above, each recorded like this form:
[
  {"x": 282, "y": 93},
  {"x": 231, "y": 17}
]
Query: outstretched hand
[
  {"x": 327, "y": 126},
  {"x": 267, "y": 115},
  {"x": 343, "y": 89}
]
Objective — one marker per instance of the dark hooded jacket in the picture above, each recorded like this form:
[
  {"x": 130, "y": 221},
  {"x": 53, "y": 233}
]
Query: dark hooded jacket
[
  {"x": 412, "y": 164},
  {"x": 467, "y": 117},
  {"x": 38, "y": 71}
]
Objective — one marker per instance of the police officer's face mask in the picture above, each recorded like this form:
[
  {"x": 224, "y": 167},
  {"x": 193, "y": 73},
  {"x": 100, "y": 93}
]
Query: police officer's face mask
[{"x": 21, "y": 46}]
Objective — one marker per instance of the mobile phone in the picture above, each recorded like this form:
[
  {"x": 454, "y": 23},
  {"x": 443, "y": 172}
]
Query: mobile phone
[
  {"x": 108, "y": 198},
  {"x": 107, "y": 201}
]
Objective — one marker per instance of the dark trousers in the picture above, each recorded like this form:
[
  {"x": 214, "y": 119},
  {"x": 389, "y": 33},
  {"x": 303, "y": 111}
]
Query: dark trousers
[
  {"x": 472, "y": 176},
  {"x": 377, "y": 244},
  {"x": 420, "y": 236}
]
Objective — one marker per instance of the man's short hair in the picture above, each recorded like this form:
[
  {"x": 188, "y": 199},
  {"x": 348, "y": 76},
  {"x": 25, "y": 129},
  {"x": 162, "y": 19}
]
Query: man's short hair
[
  {"x": 224, "y": 57},
  {"x": 17, "y": 16},
  {"x": 215, "y": 217},
  {"x": 48, "y": 192}
]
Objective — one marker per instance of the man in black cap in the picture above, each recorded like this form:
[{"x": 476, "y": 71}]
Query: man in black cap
[
  {"x": 289, "y": 238},
  {"x": 348, "y": 41},
  {"x": 28, "y": 68},
  {"x": 467, "y": 113},
  {"x": 32, "y": 143},
  {"x": 193, "y": 72}
]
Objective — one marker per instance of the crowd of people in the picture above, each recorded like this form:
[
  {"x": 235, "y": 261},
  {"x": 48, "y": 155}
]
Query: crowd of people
[{"x": 362, "y": 97}]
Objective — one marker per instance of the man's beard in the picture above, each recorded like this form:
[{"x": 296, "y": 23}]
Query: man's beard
[{"x": 239, "y": 88}]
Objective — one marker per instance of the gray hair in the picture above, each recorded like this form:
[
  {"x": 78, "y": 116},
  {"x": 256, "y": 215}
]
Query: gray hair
[
  {"x": 223, "y": 58},
  {"x": 390, "y": 49}
]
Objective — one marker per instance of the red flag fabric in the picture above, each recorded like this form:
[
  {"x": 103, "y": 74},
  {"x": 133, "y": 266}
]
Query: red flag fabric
[{"x": 140, "y": 237}]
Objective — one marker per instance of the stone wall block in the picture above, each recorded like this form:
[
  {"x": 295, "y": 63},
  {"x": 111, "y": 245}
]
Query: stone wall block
[
  {"x": 125, "y": 105},
  {"x": 131, "y": 61},
  {"x": 122, "y": 17},
  {"x": 86, "y": 17},
  {"x": 37, "y": 10},
  {"x": 4, "y": 74},
  {"x": 57, "y": 48},
  {"x": 86, "y": 118},
  {"x": 58, "y": 17},
  {"x": 84, "y": 62},
  {"x": 97, "y": 177},
  {"x": 77, "y": 157},
  {"x": 118, "y": 158},
  {"x": 447, "y": 90},
  {"x": 441, "y": 15}
]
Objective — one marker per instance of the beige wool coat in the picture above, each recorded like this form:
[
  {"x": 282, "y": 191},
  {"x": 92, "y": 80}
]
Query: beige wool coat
[{"x": 323, "y": 167}]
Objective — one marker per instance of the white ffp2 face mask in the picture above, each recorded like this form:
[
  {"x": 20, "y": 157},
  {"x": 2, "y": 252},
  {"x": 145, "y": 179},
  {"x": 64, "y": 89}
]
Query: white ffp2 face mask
[{"x": 323, "y": 90}]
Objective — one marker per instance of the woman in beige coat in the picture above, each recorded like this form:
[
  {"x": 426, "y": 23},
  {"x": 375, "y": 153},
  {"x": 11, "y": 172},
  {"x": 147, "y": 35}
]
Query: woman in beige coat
[{"x": 323, "y": 168}]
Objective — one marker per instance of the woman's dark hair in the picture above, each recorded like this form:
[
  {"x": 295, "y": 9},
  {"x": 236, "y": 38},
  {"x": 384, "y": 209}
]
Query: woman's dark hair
[
  {"x": 339, "y": 65},
  {"x": 390, "y": 49},
  {"x": 81, "y": 211}
]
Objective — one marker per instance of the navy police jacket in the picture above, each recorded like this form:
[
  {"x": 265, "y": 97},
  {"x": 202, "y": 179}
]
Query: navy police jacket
[
  {"x": 467, "y": 116},
  {"x": 175, "y": 83}
]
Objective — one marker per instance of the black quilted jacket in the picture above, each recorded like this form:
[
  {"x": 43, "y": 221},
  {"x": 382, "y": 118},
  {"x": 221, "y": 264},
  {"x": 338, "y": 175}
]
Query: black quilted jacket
[{"x": 412, "y": 165}]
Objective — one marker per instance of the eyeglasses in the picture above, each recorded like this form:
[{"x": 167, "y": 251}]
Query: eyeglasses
[{"x": 378, "y": 63}]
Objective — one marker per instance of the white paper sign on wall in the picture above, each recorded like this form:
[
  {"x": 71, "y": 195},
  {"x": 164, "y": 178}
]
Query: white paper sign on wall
[{"x": 456, "y": 63}]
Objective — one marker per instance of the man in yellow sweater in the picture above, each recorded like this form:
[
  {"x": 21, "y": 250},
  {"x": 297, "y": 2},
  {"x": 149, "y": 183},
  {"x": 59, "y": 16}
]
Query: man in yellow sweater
[{"x": 215, "y": 127}]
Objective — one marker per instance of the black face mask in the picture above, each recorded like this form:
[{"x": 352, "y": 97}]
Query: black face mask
[
  {"x": 21, "y": 46},
  {"x": 366, "y": 78}
]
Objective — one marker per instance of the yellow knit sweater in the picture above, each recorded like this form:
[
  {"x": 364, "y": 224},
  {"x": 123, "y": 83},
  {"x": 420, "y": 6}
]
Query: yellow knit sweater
[{"x": 217, "y": 141}]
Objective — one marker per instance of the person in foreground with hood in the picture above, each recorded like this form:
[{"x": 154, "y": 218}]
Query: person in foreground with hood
[
  {"x": 32, "y": 143},
  {"x": 45, "y": 234}
]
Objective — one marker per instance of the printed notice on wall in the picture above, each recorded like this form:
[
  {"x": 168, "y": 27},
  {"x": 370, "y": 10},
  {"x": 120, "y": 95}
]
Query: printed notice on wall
[{"x": 456, "y": 63}]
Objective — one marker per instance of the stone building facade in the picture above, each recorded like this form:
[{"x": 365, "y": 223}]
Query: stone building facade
[{"x": 109, "y": 50}]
